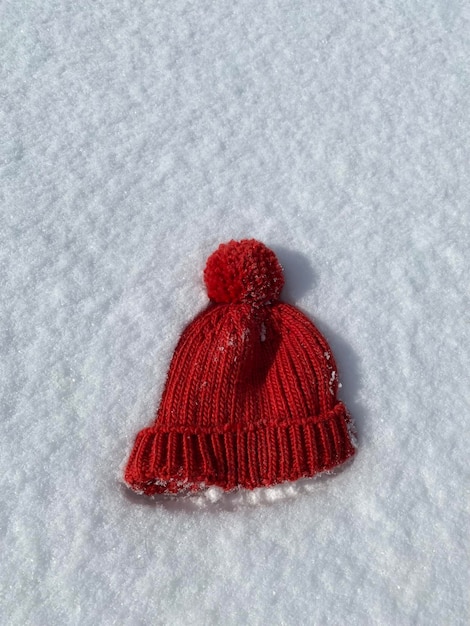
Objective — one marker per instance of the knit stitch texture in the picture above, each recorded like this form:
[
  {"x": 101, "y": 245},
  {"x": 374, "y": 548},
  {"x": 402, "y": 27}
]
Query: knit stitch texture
[{"x": 250, "y": 398}]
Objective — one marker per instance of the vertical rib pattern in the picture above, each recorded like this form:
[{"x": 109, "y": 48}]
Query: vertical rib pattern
[{"x": 249, "y": 400}]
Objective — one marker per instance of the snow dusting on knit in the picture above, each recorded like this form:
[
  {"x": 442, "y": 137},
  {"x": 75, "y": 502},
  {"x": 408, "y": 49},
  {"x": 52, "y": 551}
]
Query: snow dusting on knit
[
  {"x": 262, "y": 334},
  {"x": 137, "y": 136}
]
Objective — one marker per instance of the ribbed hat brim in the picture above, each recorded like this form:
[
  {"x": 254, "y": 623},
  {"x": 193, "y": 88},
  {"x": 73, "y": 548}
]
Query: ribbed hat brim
[{"x": 174, "y": 461}]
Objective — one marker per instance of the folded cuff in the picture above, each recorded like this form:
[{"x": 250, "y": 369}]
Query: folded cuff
[{"x": 173, "y": 461}]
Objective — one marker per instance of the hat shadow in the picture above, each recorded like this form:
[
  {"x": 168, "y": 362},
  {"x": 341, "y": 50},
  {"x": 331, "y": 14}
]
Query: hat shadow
[{"x": 298, "y": 273}]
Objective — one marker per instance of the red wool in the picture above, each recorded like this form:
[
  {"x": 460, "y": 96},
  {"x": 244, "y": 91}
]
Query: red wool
[
  {"x": 250, "y": 396},
  {"x": 243, "y": 271}
]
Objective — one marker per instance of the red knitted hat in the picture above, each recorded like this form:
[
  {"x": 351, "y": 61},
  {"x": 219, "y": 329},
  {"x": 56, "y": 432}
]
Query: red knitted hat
[{"x": 250, "y": 396}]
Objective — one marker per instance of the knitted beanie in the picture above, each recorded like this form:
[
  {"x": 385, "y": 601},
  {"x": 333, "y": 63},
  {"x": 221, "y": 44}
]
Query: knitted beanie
[{"x": 250, "y": 396}]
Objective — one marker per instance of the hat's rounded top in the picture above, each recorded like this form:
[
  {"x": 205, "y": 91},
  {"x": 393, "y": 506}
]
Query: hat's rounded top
[{"x": 243, "y": 271}]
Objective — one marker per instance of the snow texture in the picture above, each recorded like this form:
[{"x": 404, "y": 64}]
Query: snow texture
[{"x": 135, "y": 137}]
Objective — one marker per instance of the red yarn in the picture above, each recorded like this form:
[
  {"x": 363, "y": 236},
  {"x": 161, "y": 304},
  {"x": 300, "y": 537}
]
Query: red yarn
[
  {"x": 250, "y": 396},
  {"x": 243, "y": 271}
]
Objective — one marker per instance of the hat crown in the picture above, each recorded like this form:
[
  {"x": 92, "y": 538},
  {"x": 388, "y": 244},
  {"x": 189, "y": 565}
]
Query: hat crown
[{"x": 244, "y": 370}]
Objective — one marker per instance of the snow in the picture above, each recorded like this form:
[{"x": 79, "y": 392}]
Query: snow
[
  {"x": 136, "y": 136},
  {"x": 262, "y": 335}
]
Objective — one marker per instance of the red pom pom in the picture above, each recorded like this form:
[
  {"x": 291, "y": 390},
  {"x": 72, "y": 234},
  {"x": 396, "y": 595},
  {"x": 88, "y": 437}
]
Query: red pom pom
[{"x": 243, "y": 271}]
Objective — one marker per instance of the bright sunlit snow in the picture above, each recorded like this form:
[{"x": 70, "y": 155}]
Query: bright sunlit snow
[{"x": 137, "y": 136}]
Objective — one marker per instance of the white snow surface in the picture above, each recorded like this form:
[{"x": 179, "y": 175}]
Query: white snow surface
[{"x": 137, "y": 136}]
